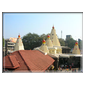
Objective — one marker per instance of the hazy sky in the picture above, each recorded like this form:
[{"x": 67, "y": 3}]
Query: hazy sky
[{"x": 39, "y": 23}]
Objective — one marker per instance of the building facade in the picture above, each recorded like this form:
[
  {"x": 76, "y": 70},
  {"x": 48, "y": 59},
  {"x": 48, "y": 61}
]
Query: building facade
[{"x": 68, "y": 37}]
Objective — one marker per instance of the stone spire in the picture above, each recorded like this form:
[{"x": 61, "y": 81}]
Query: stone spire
[
  {"x": 49, "y": 42},
  {"x": 54, "y": 37},
  {"x": 44, "y": 47},
  {"x": 19, "y": 44},
  {"x": 76, "y": 49}
]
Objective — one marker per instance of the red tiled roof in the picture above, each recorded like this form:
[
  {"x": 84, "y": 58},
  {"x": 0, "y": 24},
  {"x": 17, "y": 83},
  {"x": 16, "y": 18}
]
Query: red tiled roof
[
  {"x": 32, "y": 60},
  {"x": 14, "y": 62},
  {"x": 10, "y": 62}
]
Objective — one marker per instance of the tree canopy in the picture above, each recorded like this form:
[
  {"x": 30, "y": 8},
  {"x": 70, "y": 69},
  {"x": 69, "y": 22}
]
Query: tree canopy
[
  {"x": 31, "y": 41},
  {"x": 62, "y": 42},
  {"x": 70, "y": 43}
]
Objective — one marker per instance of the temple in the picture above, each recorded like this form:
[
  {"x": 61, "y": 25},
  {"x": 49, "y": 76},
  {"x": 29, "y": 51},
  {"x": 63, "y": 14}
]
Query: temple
[
  {"x": 52, "y": 45},
  {"x": 48, "y": 55},
  {"x": 53, "y": 48}
]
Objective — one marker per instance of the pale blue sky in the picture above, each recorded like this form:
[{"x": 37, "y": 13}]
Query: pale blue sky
[{"x": 39, "y": 23}]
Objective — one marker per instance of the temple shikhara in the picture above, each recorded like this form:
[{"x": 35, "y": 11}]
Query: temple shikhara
[
  {"x": 19, "y": 44},
  {"x": 48, "y": 56}
]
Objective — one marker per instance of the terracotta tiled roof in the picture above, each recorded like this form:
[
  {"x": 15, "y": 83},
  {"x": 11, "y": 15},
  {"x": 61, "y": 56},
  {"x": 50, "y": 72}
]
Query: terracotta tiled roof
[
  {"x": 31, "y": 60},
  {"x": 14, "y": 62},
  {"x": 10, "y": 62}
]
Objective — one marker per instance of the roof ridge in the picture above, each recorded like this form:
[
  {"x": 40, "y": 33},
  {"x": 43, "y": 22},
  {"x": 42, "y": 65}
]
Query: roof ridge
[
  {"x": 14, "y": 61},
  {"x": 26, "y": 61},
  {"x": 23, "y": 58}
]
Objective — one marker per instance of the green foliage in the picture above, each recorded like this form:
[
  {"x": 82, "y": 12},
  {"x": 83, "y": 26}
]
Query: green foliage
[
  {"x": 70, "y": 43},
  {"x": 31, "y": 41},
  {"x": 62, "y": 42}
]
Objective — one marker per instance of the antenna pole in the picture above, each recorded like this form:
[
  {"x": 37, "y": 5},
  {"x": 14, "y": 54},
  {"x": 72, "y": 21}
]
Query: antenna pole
[{"x": 61, "y": 34}]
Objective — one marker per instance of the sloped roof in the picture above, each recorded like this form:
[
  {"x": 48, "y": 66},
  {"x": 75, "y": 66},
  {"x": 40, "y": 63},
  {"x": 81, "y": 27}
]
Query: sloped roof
[
  {"x": 30, "y": 60},
  {"x": 10, "y": 62}
]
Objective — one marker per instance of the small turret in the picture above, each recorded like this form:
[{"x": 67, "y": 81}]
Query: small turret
[
  {"x": 76, "y": 49},
  {"x": 44, "y": 47},
  {"x": 19, "y": 44},
  {"x": 49, "y": 42}
]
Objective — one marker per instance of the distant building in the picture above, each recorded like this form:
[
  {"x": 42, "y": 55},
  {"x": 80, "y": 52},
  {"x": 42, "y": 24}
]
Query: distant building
[
  {"x": 79, "y": 41},
  {"x": 80, "y": 44},
  {"x": 9, "y": 46},
  {"x": 68, "y": 37}
]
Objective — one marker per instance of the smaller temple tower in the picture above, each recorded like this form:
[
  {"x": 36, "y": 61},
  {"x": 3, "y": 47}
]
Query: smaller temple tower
[
  {"x": 44, "y": 47},
  {"x": 49, "y": 42},
  {"x": 76, "y": 49},
  {"x": 19, "y": 44}
]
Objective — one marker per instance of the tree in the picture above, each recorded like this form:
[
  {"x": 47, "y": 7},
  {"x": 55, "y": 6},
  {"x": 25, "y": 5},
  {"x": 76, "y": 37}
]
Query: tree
[
  {"x": 62, "y": 42},
  {"x": 70, "y": 43},
  {"x": 31, "y": 41}
]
